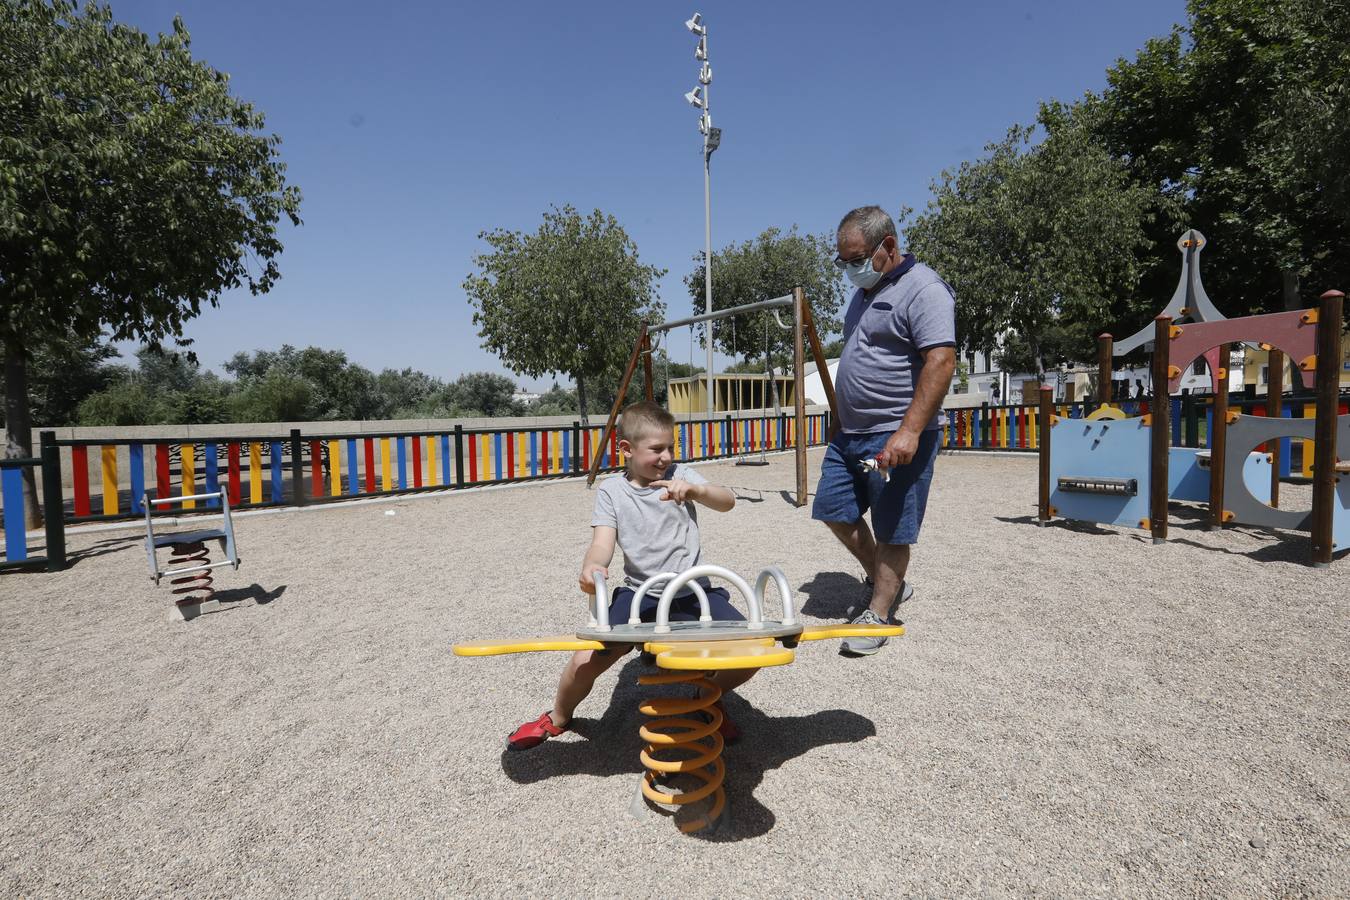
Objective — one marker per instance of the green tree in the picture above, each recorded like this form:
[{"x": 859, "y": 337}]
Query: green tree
[
  {"x": 1037, "y": 240},
  {"x": 1242, "y": 116},
  {"x": 484, "y": 394},
  {"x": 133, "y": 188},
  {"x": 771, "y": 265},
  {"x": 338, "y": 388},
  {"x": 63, "y": 372},
  {"x": 278, "y": 396},
  {"x": 569, "y": 298}
]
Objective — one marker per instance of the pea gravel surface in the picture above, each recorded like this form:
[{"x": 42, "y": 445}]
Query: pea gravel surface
[{"x": 1073, "y": 711}]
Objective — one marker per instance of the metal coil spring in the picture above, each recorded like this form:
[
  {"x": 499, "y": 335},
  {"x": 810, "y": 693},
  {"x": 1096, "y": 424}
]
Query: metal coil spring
[
  {"x": 695, "y": 739},
  {"x": 196, "y": 587}
]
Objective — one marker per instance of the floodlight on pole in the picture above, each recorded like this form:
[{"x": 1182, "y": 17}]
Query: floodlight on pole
[{"x": 712, "y": 139}]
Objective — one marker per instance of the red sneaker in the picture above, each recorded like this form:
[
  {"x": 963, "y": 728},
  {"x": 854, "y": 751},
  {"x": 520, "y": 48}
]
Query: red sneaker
[
  {"x": 728, "y": 730},
  {"x": 532, "y": 734}
]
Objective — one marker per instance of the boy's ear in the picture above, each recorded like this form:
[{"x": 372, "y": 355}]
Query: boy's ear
[{"x": 625, "y": 447}]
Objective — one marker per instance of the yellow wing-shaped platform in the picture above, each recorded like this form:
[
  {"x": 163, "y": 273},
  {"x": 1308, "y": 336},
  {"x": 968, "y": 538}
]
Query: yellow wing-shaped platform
[
  {"x": 525, "y": 645},
  {"x": 715, "y": 655},
  {"x": 826, "y": 632}
]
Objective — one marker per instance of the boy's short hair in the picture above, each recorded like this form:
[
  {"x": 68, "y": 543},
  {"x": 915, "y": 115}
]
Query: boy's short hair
[{"x": 643, "y": 417}]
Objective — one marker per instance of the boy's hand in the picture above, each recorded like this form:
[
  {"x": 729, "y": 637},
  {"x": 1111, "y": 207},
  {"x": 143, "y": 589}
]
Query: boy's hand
[
  {"x": 587, "y": 581},
  {"x": 678, "y": 490}
]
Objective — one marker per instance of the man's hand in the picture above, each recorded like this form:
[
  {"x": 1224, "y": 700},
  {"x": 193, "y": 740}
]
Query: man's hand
[
  {"x": 586, "y": 581},
  {"x": 899, "y": 450},
  {"x": 677, "y": 490}
]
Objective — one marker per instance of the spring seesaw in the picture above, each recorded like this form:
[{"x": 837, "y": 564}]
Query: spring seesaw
[{"x": 682, "y": 739}]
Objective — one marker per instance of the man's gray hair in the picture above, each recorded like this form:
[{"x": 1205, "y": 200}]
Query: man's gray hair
[{"x": 873, "y": 221}]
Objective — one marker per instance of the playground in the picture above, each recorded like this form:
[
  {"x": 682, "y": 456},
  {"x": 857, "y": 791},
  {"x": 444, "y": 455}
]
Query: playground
[{"x": 1072, "y": 710}]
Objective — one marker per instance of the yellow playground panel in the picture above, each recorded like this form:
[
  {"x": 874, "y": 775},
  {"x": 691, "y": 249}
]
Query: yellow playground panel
[{"x": 683, "y": 739}]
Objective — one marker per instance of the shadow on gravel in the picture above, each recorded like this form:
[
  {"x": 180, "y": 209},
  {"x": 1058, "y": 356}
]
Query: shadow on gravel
[
  {"x": 103, "y": 548},
  {"x": 255, "y": 592},
  {"x": 1067, "y": 524},
  {"x": 611, "y": 746},
  {"x": 830, "y": 594}
]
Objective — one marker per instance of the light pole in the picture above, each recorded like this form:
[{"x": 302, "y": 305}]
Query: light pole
[{"x": 712, "y": 139}]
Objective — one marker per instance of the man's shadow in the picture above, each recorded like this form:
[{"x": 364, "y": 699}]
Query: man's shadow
[
  {"x": 830, "y": 594},
  {"x": 611, "y": 746}
]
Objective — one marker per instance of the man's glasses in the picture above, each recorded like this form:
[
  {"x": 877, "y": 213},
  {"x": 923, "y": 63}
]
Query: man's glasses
[{"x": 841, "y": 263}]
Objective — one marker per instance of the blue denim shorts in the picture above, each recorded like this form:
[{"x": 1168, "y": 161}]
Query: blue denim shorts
[
  {"x": 683, "y": 609},
  {"x": 846, "y": 490}
]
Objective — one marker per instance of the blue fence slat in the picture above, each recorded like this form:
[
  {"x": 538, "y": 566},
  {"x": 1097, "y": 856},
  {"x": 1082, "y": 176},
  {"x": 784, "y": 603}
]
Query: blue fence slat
[
  {"x": 277, "y": 494},
  {"x": 136, "y": 462},
  {"x": 353, "y": 468},
  {"x": 1176, "y": 423},
  {"x": 212, "y": 473},
  {"x": 16, "y": 535},
  {"x": 445, "y": 459},
  {"x": 534, "y": 453},
  {"x": 402, "y": 462},
  {"x": 497, "y": 455}
]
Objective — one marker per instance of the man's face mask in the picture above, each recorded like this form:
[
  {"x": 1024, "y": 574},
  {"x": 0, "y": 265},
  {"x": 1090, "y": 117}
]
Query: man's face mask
[{"x": 860, "y": 271}]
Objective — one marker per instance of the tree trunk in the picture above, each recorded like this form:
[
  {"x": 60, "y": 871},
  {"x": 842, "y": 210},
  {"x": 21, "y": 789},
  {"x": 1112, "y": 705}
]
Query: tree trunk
[
  {"x": 581, "y": 401},
  {"x": 1291, "y": 298},
  {"x": 18, "y": 429}
]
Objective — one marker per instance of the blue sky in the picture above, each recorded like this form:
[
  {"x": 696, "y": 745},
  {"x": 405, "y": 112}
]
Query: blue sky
[{"x": 412, "y": 127}]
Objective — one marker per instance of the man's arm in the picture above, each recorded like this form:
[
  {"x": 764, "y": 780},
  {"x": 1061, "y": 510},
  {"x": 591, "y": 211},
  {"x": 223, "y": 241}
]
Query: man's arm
[
  {"x": 935, "y": 379},
  {"x": 598, "y": 555}
]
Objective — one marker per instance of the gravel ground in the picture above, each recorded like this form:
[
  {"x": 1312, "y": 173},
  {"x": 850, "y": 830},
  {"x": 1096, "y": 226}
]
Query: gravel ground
[{"x": 1073, "y": 711}]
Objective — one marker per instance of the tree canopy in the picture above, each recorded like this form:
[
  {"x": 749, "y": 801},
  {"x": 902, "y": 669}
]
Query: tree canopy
[
  {"x": 770, "y": 265},
  {"x": 134, "y": 188},
  {"x": 569, "y": 298},
  {"x": 1041, "y": 243}
]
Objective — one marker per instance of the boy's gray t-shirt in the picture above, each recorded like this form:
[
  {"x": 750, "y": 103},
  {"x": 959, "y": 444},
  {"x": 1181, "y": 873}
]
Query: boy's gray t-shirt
[
  {"x": 655, "y": 535},
  {"x": 911, "y": 311}
]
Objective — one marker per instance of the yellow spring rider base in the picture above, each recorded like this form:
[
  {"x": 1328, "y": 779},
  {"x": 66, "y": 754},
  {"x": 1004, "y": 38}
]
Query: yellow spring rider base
[{"x": 683, "y": 737}]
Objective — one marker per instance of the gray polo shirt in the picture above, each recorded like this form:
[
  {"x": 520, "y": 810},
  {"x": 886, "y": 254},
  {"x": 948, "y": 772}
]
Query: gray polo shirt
[
  {"x": 655, "y": 535},
  {"x": 911, "y": 310}
]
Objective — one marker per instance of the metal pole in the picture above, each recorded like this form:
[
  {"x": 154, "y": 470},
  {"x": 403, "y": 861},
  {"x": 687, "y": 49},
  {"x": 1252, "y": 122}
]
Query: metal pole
[
  {"x": 1327, "y": 385},
  {"x": 1218, "y": 440},
  {"x": 707, "y": 239},
  {"x": 1104, "y": 369},
  {"x": 1161, "y": 434},
  {"x": 1047, "y": 412},
  {"x": 1275, "y": 407},
  {"x": 798, "y": 386}
]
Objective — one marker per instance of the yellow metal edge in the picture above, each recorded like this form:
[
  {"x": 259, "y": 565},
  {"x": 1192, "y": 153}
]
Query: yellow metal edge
[
  {"x": 845, "y": 630},
  {"x": 524, "y": 645},
  {"x": 727, "y": 656},
  {"x": 663, "y": 646}
]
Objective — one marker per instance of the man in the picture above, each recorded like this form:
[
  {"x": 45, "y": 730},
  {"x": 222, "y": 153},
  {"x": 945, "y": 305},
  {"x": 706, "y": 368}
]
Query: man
[{"x": 897, "y": 364}]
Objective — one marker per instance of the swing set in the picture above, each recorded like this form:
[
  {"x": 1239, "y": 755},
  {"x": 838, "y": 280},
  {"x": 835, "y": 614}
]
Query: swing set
[{"x": 803, "y": 331}]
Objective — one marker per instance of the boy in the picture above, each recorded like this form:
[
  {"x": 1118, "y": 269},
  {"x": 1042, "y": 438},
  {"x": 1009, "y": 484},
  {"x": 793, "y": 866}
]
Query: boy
[{"x": 651, "y": 513}]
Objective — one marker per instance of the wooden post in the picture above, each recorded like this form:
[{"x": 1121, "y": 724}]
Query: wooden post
[
  {"x": 1043, "y": 443},
  {"x": 1218, "y": 441},
  {"x": 647, "y": 366},
  {"x": 818, "y": 353},
  {"x": 1161, "y": 435},
  {"x": 1274, "y": 407},
  {"x": 618, "y": 405},
  {"x": 1104, "y": 369},
  {"x": 799, "y": 387},
  {"x": 1327, "y": 385}
]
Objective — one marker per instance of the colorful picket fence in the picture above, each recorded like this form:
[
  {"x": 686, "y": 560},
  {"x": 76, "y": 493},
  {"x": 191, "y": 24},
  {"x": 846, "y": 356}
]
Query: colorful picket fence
[{"x": 276, "y": 471}]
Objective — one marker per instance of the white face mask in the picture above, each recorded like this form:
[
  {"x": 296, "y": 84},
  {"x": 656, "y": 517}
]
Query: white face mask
[{"x": 862, "y": 274}]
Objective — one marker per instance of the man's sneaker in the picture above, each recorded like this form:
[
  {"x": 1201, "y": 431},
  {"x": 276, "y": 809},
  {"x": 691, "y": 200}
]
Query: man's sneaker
[
  {"x": 906, "y": 594},
  {"x": 863, "y": 646}
]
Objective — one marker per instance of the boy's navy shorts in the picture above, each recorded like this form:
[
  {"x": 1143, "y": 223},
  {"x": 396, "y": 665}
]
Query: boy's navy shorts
[
  {"x": 683, "y": 609},
  {"x": 846, "y": 490}
]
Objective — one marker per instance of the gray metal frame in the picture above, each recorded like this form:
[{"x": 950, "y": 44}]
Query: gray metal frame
[
  {"x": 1188, "y": 301},
  {"x": 706, "y": 628},
  {"x": 224, "y": 534},
  {"x": 1244, "y": 435}
]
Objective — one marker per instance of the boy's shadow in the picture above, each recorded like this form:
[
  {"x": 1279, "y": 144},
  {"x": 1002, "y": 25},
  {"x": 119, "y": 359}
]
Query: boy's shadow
[
  {"x": 830, "y": 594},
  {"x": 611, "y": 746}
]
